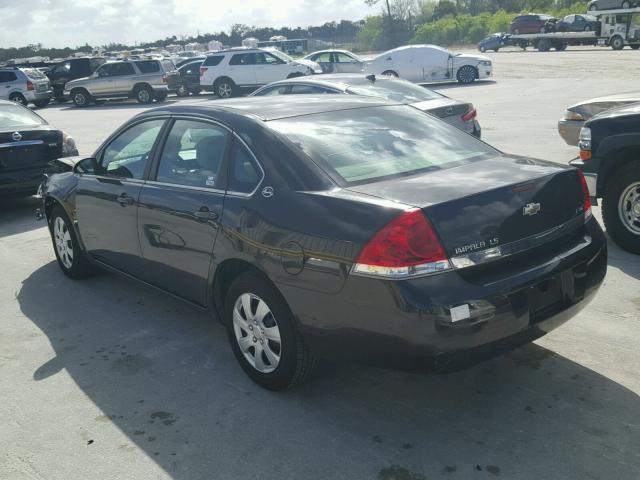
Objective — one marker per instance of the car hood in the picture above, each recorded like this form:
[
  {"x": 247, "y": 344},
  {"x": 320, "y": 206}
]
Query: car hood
[
  {"x": 76, "y": 81},
  {"x": 594, "y": 106},
  {"x": 467, "y": 57},
  {"x": 308, "y": 63},
  {"x": 631, "y": 110}
]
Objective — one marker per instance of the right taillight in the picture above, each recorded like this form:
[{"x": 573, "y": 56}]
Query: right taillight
[
  {"x": 470, "y": 115},
  {"x": 203, "y": 70},
  {"x": 587, "y": 197},
  {"x": 405, "y": 247},
  {"x": 30, "y": 87}
]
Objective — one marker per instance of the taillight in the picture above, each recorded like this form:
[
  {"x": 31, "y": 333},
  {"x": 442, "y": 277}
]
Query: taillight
[
  {"x": 29, "y": 85},
  {"x": 164, "y": 79},
  {"x": 405, "y": 247},
  {"x": 470, "y": 115},
  {"x": 202, "y": 70},
  {"x": 587, "y": 197}
]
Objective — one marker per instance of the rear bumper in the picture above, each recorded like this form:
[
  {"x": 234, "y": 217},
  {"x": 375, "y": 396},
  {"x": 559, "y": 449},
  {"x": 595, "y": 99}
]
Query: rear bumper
[
  {"x": 23, "y": 182},
  {"x": 37, "y": 96},
  {"x": 569, "y": 130},
  {"x": 408, "y": 325}
]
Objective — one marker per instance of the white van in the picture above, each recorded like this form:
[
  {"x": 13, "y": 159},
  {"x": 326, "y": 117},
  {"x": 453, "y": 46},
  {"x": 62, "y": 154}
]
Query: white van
[{"x": 429, "y": 63}]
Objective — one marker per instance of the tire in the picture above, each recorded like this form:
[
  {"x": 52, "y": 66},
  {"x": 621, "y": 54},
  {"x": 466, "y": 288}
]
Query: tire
[
  {"x": 635, "y": 47},
  {"x": 225, "y": 88},
  {"x": 182, "y": 91},
  {"x": 560, "y": 47},
  {"x": 160, "y": 97},
  {"x": 80, "y": 97},
  {"x": 482, "y": 49},
  {"x": 42, "y": 103},
  {"x": 617, "y": 43},
  {"x": 466, "y": 74},
  {"x": 496, "y": 50},
  {"x": 516, "y": 32},
  {"x": 544, "y": 45},
  {"x": 626, "y": 4},
  {"x": 390, "y": 73},
  {"x": 18, "y": 98},
  {"x": 143, "y": 94},
  {"x": 593, "y": 8},
  {"x": 70, "y": 257},
  {"x": 291, "y": 361},
  {"x": 621, "y": 215},
  {"x": 587, "y": 28}
]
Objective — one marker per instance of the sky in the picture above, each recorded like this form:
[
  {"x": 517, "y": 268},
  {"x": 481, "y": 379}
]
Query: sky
[{"x": 60, "y": 23}]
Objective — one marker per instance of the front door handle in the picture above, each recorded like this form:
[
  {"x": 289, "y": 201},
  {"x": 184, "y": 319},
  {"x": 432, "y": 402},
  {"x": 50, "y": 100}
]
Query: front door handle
[
  {"x": 125, "y": 199},
  {"x": 204, "y": 214}
]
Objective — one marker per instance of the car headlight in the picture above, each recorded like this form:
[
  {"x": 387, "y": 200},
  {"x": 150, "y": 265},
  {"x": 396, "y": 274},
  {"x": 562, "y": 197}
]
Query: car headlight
[
  {"x": 69, "y": 148},
  {"x": 486, "y": 63},
  {"x": 575, "y": 116}
]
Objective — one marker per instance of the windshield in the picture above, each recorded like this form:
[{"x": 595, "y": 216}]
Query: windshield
[
  {"x": 369, "y": 144},
  {"x": 281, "y": 55},
  {"x": 18, "y": 116},
  {"x": 395, "y": 90}
]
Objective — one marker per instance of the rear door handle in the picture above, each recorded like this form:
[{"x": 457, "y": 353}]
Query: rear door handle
[
  {"x": 125, "y": 199},
  {"x": 204, "y": 214}
]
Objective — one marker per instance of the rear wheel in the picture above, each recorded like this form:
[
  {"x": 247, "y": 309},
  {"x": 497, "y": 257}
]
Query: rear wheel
[
  {"x": 182, "y": 91},
  {"x": 621, "y": 207},
  {"x": 560, "y": 47},
  {"x": 544, "y": 45},
  {"x": 80, "y": 98},
  {"x": 18, "y": 98},
  {"x": 635, "y": 47},
  {"x": 143, "y": 94},
  {"x": 466, "y": 74},
  {"x": 263, "y": 334},
  {"x": 66, "y": 246},
  {"x": 160, "y": 97},
  {"x": 225, "y": 88},
  {"x": 390, "y": 73}
]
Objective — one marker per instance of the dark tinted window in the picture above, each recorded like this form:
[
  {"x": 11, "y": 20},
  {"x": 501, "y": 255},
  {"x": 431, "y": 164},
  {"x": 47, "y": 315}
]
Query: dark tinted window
[
  {"x": 395, "y": 90},
  {"x": 262, "y": 58},
  {"x": 193, "y": 154},
  {"x": 213, "y": 61},
  {"x": 148, "y": 66},
  {"x": 7, "y": 77},
  {"x": 368, "y": 144},
  {"x": 127, "y": 155},
  {"x": 245, "y": 174},
  {"x": 242, "y": 59},
  {"x": 115, "y": 69},
  {"x": 191, "y": 68},
  {"x": 310, "y": 89},
  {"x": 275, "y": 90}
]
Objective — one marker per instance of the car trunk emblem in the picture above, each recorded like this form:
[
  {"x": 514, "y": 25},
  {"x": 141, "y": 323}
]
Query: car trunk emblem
[
  {"x": 16, "y": 136},
  {"x": 531, "y": 209}
]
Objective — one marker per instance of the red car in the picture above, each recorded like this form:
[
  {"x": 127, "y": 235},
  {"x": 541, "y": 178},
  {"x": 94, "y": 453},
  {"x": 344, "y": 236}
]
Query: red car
[{"x": 529, "y": 23}]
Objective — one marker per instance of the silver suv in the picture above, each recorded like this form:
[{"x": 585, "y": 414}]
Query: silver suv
[
  {"x": 24, "y": 86},
  {"x": 144, "y": 80}
]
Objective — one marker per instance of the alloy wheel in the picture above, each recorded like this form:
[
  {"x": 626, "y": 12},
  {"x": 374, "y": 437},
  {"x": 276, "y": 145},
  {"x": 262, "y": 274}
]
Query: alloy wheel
[
  {"x": 144, "y": 96},
  {"x": 629, "y": 208},
  {"x": 257, "y": 332},
  {"x": 224, "y": 90},
  {"x": 79, "y": 99},
  {"x": 64, "y": 245}
]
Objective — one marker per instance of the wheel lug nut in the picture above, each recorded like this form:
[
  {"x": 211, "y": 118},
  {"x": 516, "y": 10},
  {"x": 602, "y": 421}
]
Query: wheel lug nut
[
  {"x": 250, "y": 327},
  {"x": 255, "y": 339},
  {"x": 261, "y": 341}
]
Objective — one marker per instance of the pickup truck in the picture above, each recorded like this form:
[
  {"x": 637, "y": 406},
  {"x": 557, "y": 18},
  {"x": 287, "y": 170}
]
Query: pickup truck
[{"x": 610, "y": 160}]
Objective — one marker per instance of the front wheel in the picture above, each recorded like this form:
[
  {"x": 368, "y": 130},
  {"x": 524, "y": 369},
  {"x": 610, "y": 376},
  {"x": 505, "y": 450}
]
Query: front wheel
[
  {"x": 80, "y": 98},
  {"x": 263, "y": 334},
  {"x": 466, "y": 74},
  {"x": 66, "y": 246},
  {"x": 621, "y": 207},
  {"x": 617, "y": 43},
  {"x": 482, "y": 49}
]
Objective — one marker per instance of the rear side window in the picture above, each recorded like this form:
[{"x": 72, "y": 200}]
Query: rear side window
[
  {"x": 148, "y": 66},
  {"x": 212, "y": 61},
  {"x": 242, "y": 59},
  {"x": 308, "y": 89},
  {"x": 245, "y": 174},
  {"x": 275, "y": 90},
  {"x": 369, "y": 144},
  {"x": 7, "y": 77}
]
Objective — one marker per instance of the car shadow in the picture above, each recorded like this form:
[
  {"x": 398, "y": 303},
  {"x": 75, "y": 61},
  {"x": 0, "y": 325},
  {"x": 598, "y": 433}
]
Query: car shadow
[
  {"x": 17, "y": 215},
  {"x": 445, "y": 86},
  {"x": 163, "y": 373},
  {"x": 627, "y": 262},
  {"x": 120, "y": 104}
]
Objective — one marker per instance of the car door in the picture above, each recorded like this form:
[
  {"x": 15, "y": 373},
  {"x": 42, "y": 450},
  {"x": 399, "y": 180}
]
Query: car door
[
  {"x": 126, "y": 76},
  {"x": 241, "y": 69},
  {"x": 181, "y": 206},
  {"x": 8, "y": 80},
  {"x": 345, "y": 63},
  {"x": 435, "y": 64},
  {"x": 325, "y": 60},
  {"x": 104, "y": 80},
  {"x": 270, "y": 68},
  {"x": 106, "y": 198}
]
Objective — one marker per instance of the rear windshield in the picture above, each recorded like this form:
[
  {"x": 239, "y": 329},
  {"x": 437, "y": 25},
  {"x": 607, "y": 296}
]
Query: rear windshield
[
  {"x": 34, "y": 73},
  {"x": 212, "y": 61},
  {"x": 168, "y": 66},
  {"x": 369, "y": 144},
  {"x": 18, "y": 116},
  {"x": 395, "y": 90}
]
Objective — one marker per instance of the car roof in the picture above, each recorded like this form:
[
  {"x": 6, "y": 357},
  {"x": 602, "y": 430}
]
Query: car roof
[
  {"x": 330, "y": 50},
  {"x": 272, "y": 108},
  {"x": 336, "y": 80}
]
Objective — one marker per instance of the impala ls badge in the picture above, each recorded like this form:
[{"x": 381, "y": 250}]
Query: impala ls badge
[
  {"x": 16, "y": 136},
  {"x": 531, "y": 209}
]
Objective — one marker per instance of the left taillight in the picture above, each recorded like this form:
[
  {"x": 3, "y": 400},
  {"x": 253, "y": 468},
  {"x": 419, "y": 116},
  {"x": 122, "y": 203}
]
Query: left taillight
[
  {"x": 203, "y": 70},
  {"x": 406, "y": 247},
  {"x": 470, "y": 115},
  {"x": 30, "y": 86},
  {"x": 586, "y": 197}
]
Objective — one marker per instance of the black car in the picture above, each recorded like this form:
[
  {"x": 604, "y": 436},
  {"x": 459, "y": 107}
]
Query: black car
[
  {"x": 578, "y": 23},
  {"x": 71, "y": 69},
  {"x": 27, "y": 145},
  {"x": 200, "y": 58},
  {"x": 455, "y": 112},
  {"x": 189, "y": 79},
  {"x": 333, "y": 226},
  {"x": 609, "y": 157}
]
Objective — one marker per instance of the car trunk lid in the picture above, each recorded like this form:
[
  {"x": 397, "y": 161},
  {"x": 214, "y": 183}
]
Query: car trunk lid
[{"x": 29, "y": 148}]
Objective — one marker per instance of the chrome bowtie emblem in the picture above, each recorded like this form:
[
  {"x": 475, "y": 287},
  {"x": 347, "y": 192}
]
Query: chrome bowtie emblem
[
  {"x": 531, "y": 209},
  {"x": 16, "y": 136},
  {"x": 267, "y": 192}
]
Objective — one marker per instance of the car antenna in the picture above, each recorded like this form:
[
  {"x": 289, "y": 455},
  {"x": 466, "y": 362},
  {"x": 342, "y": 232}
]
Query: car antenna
[{"x": 371, "y": 78}]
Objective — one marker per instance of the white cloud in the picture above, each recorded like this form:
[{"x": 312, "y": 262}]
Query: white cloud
[{"x": 59, "y": 23}]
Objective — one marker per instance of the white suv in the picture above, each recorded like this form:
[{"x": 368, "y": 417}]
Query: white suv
[{"x": 228, "y": 72}]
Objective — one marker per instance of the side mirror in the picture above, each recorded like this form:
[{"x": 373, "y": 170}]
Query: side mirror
[{"x": 86, "y": 165}]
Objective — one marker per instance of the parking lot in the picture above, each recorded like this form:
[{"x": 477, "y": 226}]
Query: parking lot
[{"x": 106, "y": 379}]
